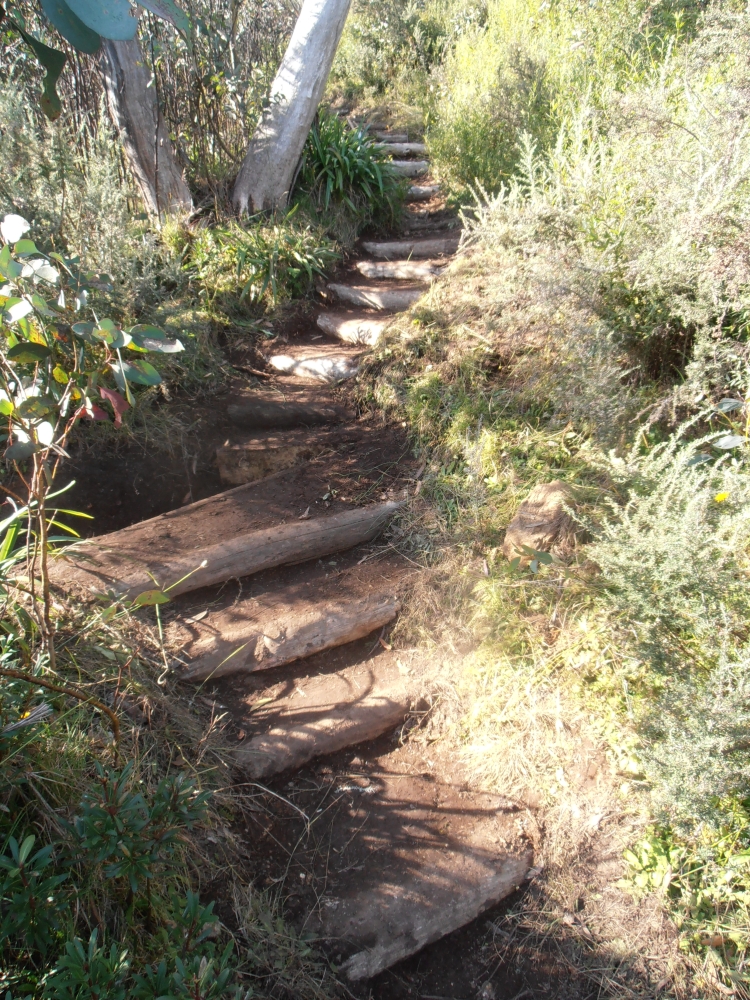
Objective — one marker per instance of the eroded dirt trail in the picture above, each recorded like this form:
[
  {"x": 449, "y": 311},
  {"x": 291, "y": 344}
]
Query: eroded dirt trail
[{"x": 290, "y": 584}]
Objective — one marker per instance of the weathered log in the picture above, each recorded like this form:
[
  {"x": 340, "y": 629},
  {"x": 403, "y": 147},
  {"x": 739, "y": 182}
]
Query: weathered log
[
  {"x": 268, "y": 453},
  {"x": 404, "y": 148},
  {"x": 102, "y": 565},
  {"x": 276, "y": 413},
  {"x": 391, "y": 299},
  {"x": 322, "y": 369},
  {"x": 406, "y": 249},
  {"x": 352, "y": 329},
  {"x": 336, "y": 711},
  {"x": 134, "y": 109},
  {"x": 406, "y": 270},
  {"x": 267, "y": 173},
  {"x": 419, "y": 192},
  {"x": 391, "y": 137},
  {"x": 239, "y": 640},
  {"x": 410, "y": 168}
]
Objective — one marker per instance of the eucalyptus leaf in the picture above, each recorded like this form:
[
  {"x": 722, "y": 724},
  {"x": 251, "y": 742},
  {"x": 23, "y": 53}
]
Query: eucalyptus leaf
[
  {"x": 728, "y": 441},
  {"x": 17, "y": 311},
  {"x": 25, "y": 247},
  {"x": 13, "y": 227},
  {"x": 22, "y": 449},
  {"x": 138, "y": 372},
  {"x": 71, "y": 27},
  {"x": 54, "y": 62},
  {"x": 727, "y": 405},
  {"x": 28, "y": 353},
  {"x": 168, "y": 10},
  {"x": 109, "y": 18}
]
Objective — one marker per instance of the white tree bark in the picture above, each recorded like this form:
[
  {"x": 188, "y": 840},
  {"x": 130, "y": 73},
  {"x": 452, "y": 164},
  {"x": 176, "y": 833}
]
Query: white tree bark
[
  {"x": 267, "y": 173},
  {"x": 135, "y": 111}
]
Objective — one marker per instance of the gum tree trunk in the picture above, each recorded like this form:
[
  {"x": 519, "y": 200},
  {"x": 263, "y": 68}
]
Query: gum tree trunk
[
  {"x": 267, "y": 173},
  {"x": 134, "y": 109}
]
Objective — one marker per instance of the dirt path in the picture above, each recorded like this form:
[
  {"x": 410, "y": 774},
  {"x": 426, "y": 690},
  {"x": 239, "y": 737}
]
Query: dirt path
[{"x": 378, "y": 843}]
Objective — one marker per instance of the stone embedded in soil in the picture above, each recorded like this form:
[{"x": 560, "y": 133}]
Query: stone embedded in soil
[
  {"x": 408, "y": 249},
  {"x": 352, "y": 329},
  {"x": 422, "y": 192},
  {"x": 392, "y": 299},
  {"x": 124, "y": 563},
  {"x": 541, "y": 523},
  {"x": 404, "y": 148},
  {"x": 321, "y": 369},
  {"x": 410, "y": 168},
  {"x": 405, "y": 270},
  {"x": 264, "y": 410},
  {"x": 255, "y": 635},
  {"x": 261, "y": 456},
  {"x": 324, "y": 714}
]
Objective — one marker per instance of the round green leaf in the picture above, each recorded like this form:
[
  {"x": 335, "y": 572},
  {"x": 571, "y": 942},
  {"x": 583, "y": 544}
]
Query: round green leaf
[
  {"x": 36, "y": 406},
  {"x": 138, "y": 372},
  {"x": 169, "y": 10},
  {"x": 728, "y": 441},
  {"x": 27, "y": 353},
  {"x": 71, "y": 27},
  {"x": 109, "y": 18},
  {"x": 21, "y": 450},
  {"x": 150, "y": 597}
]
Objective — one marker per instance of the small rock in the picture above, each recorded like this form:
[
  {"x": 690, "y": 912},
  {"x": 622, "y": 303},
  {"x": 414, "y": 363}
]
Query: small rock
[{"x": 542, "y": 523}]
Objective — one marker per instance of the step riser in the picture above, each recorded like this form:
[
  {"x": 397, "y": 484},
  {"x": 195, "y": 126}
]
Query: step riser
[
  {"x": 403, "y": 270},
  {"x": 269, "y": 415},
  {"x": 352, "y": 331},
  {"x": 100, "y": 567},
  {"x": 335, "y": 712},
  {"x": 326, "y": 370},
  {"x": 393, "y": 300},
  {"x": 416, "y": 249},
  {"x": 247, "y": 463},
  {"x": 387, "y": 138},
  {"x": 404, "y": 148},
  {"x": 419, "y": 192},
  {"x": 410, "y": 168},
  {"x": 294, "y": 633}
]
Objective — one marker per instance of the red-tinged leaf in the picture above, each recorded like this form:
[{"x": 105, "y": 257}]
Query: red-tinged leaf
[{"x": 118, "y": 403}]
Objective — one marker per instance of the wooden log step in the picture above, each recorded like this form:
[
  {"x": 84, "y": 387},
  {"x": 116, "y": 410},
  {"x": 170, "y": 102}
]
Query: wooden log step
[
  {"x": 404, "y": 148},
  {"x": 123, "y": 562},
  {"x": 265, "y": 411},
  {"x": 320, "y": 369},
  {"x": 392, "y": 299},
  {"x": 426, "y": 192},
  {"x": 413, "y": 879},
  {"x": 352, "y": 329},
  {"x": 390, "y": 137},
  {"x": 261, "y": 456},
  {"x": 405, "y": 270},
  {"x": 406, "y": 249},
  {"x": 410, "y": 168},
  {"x": 332, "y": 712},
  {"x": 260, "y": 633}
]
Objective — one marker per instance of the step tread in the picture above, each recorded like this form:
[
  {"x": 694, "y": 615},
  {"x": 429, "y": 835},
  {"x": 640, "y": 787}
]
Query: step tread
[
  {"x": 265, "y": 454},
  {"x": 352, "y": 327},
  {"x": 423, "y": 192},
  {"x": 100, "y": 562},
  {"x": 318, "y": 363},
  {"x": 285, "y": 624},
  {"x": 395, "y": 298},
  {"x": 406, "y": 851},
  {"x": 323, "y": 714}
]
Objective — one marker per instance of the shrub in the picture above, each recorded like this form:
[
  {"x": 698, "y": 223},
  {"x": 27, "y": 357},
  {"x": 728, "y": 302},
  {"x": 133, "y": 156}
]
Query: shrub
[
  {"x": 271, "y": 261},
  {"x": 344, "y": 167}
]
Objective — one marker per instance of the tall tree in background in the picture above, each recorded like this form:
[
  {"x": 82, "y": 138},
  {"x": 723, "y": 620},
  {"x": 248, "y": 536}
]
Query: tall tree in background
[
  {"x": 133, "y": 105},
  {"x": 267, "y": 173}
]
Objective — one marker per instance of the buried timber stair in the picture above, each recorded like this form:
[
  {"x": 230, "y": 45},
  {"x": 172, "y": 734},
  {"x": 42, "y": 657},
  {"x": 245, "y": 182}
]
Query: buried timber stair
[{"x": 282, "y": 590}]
